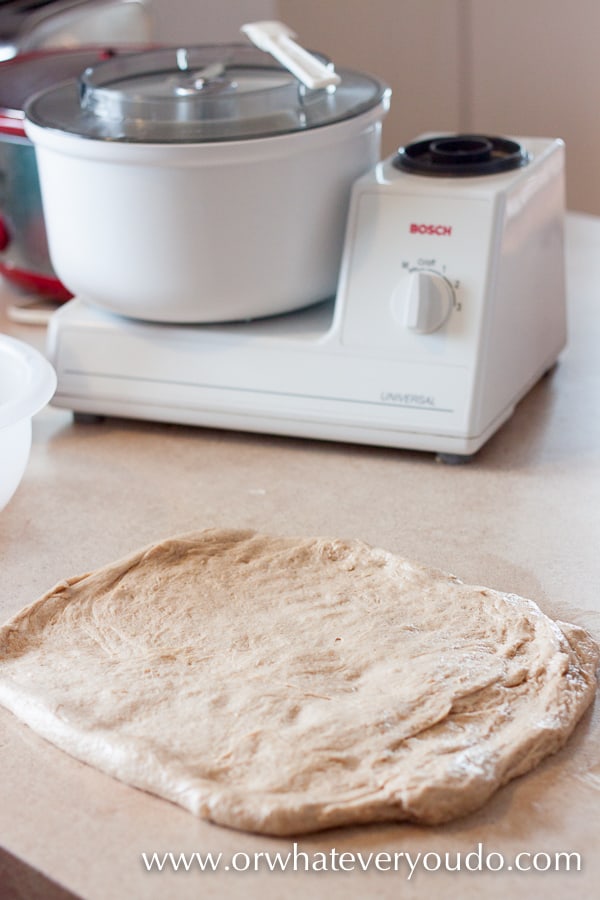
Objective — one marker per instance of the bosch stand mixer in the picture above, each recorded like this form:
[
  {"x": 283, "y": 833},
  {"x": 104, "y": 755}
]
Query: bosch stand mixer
[{"x": 449, "y": 306}]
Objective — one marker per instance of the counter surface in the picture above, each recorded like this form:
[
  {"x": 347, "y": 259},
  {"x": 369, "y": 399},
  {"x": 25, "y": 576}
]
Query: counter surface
[{"x": 524, "y": 517}]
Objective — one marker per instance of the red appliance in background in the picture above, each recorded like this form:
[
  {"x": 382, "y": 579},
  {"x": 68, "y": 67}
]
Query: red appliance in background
[{"x": 41, "y": 45}]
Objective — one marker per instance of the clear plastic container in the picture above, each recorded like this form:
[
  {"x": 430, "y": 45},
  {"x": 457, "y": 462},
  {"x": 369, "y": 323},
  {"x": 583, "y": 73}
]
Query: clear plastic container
[{"x": 27, "y": 383}]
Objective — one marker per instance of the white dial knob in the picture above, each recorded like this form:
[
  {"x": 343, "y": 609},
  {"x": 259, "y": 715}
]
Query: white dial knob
[{"x": 425, "y": 302}]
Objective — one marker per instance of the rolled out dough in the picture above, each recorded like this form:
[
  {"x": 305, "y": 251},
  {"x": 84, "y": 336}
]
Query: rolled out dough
[{"x": 286, "y": 685}]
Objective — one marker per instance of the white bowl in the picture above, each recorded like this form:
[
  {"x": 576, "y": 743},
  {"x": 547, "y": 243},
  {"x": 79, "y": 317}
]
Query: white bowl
[{"x": 27, "y": 382}]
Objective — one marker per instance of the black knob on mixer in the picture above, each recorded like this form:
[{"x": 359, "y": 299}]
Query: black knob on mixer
[
  {"x": 460, "y": 155},
  {"x": 461, "y": 151}
]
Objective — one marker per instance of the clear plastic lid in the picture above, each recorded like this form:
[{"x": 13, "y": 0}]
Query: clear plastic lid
[{"x": 197, "y": 94}]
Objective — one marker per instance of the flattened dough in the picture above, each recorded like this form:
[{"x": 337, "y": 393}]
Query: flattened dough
[{"x": 286, "y": 685}]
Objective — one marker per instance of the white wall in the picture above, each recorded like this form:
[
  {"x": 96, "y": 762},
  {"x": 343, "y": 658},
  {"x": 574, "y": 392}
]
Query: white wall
[
  {"x": 535, "y": 69},
  {"x": 204, "y": 21},
  {"x": 529, "y": 67}
]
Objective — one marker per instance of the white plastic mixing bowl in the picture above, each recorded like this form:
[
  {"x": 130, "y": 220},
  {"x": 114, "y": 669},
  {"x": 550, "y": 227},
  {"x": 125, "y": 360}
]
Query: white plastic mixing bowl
[{"x": 27, "y": 382}]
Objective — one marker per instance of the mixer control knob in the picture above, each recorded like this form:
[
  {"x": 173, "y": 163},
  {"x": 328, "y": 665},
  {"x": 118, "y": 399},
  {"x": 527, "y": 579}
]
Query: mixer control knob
[{"x": 427, "y": 302}]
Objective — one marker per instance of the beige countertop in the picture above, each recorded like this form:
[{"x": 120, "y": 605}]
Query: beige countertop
[{"x": 524, "y": 517}]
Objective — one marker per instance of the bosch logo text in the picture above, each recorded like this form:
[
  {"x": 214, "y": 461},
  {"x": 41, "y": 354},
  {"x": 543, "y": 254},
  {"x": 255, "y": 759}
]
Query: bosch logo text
[{"x": 440, "y": 230}]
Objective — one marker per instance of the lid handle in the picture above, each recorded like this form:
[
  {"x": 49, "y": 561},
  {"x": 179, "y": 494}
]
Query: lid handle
[{"x": 277, "y": 39}]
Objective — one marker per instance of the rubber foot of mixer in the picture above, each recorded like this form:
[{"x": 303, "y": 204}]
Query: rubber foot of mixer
[
  {"x": 81, "y": 418},
  {"x": 454, "y": 459}
]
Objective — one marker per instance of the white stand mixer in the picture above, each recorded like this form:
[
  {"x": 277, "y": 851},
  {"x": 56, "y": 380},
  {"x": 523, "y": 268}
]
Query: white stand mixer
[{"x": 450, "y": 306}]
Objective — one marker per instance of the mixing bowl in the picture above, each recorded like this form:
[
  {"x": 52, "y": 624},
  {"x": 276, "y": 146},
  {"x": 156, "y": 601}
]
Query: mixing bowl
[
  {"x": 201, "y": 184},
  {"x": 27, "y": 382}
]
